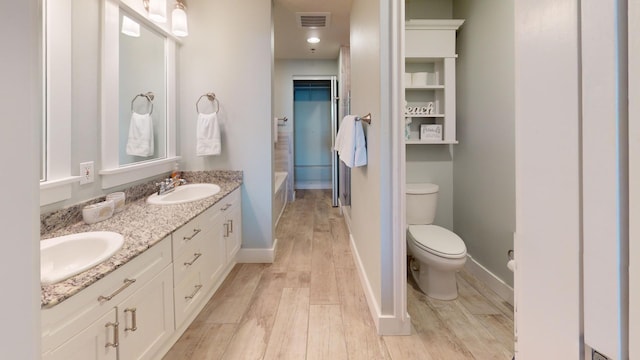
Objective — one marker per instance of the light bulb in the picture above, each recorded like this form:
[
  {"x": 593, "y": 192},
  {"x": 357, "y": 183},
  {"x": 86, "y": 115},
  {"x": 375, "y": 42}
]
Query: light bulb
[
  {"x": 130, "y": 27},
  {"x": 179, "y": 21},
  {"x": 158, "y": 10}
]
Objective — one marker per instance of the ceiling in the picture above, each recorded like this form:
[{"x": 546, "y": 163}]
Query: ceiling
[{"x": 291, "y": 39}]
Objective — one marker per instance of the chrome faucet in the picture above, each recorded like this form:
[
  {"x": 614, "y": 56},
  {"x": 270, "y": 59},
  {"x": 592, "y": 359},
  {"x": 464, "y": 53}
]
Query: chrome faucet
[{"x": 169, "y": 184}]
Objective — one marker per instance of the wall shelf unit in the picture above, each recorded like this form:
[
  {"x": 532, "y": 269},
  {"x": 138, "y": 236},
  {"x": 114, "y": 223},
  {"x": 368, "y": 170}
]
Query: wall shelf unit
[{"x": 430, "y": 79}]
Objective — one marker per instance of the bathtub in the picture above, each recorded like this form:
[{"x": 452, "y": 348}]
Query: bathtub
[{"x": 279, "y": 193}]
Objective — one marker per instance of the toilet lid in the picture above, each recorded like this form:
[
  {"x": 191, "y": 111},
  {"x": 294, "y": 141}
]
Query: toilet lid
[{"x": 438, "y": 240}]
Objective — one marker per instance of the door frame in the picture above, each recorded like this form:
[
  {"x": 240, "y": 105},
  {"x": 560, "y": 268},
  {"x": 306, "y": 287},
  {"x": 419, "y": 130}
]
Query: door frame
[{"x": 334, "y": 129}]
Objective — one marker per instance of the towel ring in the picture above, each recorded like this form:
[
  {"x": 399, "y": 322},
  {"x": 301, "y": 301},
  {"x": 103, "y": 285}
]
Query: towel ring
[
  {"x": 149, "y": 96},
  {"x": 211, "y": 97}
]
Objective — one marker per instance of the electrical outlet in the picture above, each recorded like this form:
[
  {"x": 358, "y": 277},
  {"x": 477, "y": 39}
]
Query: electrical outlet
[{"x": 86, "y": 172}]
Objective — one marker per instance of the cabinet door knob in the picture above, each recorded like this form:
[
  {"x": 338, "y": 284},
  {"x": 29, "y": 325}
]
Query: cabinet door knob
[
  {"x": 127, "y": 283},
  {"x": 195, "y": 232},
  {"x": 230, "y": 226},
  {"x": 115, "y": 342},
  {"x": 195, "y": 257},
  {"x": 133, "y": 327},
  {"x": 197, "y": 288}
]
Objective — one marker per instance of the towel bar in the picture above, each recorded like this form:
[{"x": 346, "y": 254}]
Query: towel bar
[
  {"x": 211, "y": 97},
  {"x": 366, "y": 118}
]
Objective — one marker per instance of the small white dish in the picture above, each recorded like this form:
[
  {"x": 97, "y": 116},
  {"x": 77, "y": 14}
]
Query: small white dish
[
  {"x": 92, "y": 214},
  {"x": 118, "y": 201}
]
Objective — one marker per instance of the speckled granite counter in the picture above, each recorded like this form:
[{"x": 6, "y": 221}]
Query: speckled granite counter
[{"x": 141, "y": 224}]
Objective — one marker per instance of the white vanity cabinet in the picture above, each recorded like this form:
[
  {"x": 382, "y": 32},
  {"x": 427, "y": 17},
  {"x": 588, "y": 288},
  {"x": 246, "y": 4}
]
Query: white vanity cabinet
[
  {"x": 203, "y": 252},
  {"x": 139, "y": 310},
  {"x": 126, "y": 315},
  {"x": 198, "y": 255},
  {"x": 430, "y": 81}
]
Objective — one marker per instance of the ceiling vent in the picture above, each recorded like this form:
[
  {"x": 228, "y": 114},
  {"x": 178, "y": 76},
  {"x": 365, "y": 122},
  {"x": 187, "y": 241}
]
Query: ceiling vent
[{"x": 313, "y": 20}]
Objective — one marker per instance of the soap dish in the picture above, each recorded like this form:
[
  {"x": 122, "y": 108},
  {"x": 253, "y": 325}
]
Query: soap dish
[
  {"x": 98, "y": 212},
  {"x": 118, "y": 201}
]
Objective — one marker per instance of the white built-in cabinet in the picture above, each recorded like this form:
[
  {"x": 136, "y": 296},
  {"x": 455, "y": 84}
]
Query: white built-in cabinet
[
  {"x": 430, "y": 81},
  {"x": 139, "y": 310}
]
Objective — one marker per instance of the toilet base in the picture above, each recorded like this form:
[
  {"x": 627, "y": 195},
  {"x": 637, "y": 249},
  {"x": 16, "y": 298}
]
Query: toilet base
[{"x": 440, "y": 285}]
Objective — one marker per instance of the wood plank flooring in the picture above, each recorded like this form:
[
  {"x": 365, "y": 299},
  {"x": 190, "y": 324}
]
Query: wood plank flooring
[{"x": 309, "y": 304}]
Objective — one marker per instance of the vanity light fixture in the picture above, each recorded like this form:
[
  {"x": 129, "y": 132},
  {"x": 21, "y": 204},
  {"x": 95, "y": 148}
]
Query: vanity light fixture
[
  {"x": 157, "y": 10},
  {"x": 179, "y": 20},
  {"x": 313, "y": 40},
  {"x": 130, "y": 27}
]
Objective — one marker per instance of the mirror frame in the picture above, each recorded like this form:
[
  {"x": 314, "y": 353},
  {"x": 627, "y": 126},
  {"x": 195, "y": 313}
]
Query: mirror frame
[
  {"x": 56, "y": 101},
  {"x": 114, "y": 174}
]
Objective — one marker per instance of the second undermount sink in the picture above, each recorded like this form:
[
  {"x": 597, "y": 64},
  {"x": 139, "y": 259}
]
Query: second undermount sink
[
  {"x": 184, "y": 194},
  {"x": 65, "y": 256}
]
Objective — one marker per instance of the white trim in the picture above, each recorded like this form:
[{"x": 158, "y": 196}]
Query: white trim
[
  {"x": 502, "y": 289},
  {"x": 430, "y": 24},
  {"x": 57, "y": 186},
  {"x": 385, "y": 324},
  {"x": 122, "y": 175},
  {"x": 257, "y": 256},
  {"x": 400, "y": 322},
  {"x": 56, "y": 190}
]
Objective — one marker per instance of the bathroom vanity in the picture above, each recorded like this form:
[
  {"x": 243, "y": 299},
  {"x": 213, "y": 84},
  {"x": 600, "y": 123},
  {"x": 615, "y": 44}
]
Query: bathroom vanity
[{"x": 138, "y": 303}]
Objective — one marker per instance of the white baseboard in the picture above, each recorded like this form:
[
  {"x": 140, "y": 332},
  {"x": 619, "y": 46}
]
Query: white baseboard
[
  {"x": 385, "y": 324},
  {"x": 504, "y": 291},
  {"x": 257, "y": 256}
]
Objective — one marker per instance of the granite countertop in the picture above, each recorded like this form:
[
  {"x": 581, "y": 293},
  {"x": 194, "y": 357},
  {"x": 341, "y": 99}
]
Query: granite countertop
[{"x": 142, "y": 226}]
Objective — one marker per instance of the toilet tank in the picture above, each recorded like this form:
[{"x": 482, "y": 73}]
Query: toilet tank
[{"x": 421, "y": 201}]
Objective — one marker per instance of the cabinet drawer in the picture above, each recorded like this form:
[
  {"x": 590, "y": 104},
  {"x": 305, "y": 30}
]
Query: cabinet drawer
[
  {"x": 188, "y": 294},
  {"x": 66, "y": 319},
  {"x": 193, "y": 257},
  {"x": 193, "y": 230}
]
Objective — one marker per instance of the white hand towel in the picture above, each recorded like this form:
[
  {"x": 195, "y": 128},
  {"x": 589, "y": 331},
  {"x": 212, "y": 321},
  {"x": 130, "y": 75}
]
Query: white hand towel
[
  {"x": 275, "y": 130},
  {"x": 360, "y": 157},
  {"x": 350, "y": 142},
  {"x": 208, "y": 135},
  {"x": 140, "y": 141}
]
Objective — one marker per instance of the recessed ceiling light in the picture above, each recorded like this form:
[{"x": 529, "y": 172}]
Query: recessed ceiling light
[{"x": 313, "y": 40}]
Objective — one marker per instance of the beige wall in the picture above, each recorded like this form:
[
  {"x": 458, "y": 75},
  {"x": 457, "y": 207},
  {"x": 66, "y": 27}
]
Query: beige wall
[
  {"x": 484, "y": 160},
  {"x": 365, "y": 98},
  {"x": 233, "y": 59}
]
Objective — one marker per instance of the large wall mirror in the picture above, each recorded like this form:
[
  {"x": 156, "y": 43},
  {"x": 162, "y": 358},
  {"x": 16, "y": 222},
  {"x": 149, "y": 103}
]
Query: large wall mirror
[
  {"x": 142, "y": 92},
  {"x": 138, "y": 79}
]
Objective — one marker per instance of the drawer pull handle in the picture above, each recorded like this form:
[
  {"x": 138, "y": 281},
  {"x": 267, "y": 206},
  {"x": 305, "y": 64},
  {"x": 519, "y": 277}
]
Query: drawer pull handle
[
  {"x": 195, "y": 232},
  {"x": 225, "y": 207},
  {"x": 115, "y": 342},
  {"x": 195, "y": 257},
  {"x": 127, "y": 283},
  {"x": 189, "y": 297},
  {"x": 133, "y": 327},
  {"x": 230, "y": 226}
]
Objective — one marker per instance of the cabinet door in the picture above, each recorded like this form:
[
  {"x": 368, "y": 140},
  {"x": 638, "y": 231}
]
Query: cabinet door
[
  {"x": 215, "y": 252},
  {"x": 146, "y": 318},
  {"x": 91, "y": 343},
  {"x": 233, "y": 231}
]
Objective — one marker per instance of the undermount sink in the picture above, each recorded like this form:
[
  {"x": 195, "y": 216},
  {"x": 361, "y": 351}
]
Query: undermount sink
[
  {"x": 65, "y": 256},
  {"x": 184, "y": 194}
]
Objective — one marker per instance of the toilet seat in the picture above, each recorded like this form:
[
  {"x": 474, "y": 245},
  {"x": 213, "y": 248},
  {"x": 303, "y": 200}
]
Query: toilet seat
[{"x": 438, "y": 241}]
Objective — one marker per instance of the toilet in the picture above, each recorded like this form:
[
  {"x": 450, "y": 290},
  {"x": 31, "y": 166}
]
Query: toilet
[{"x": 436, "y": 254}]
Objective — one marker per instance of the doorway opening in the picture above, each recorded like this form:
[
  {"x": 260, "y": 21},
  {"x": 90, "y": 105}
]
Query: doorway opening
[{"x": 315, "y": 116}]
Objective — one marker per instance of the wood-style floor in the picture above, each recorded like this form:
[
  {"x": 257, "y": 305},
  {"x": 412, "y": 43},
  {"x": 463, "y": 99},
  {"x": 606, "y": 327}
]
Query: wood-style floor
[{"x": 309, "y": 304}]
